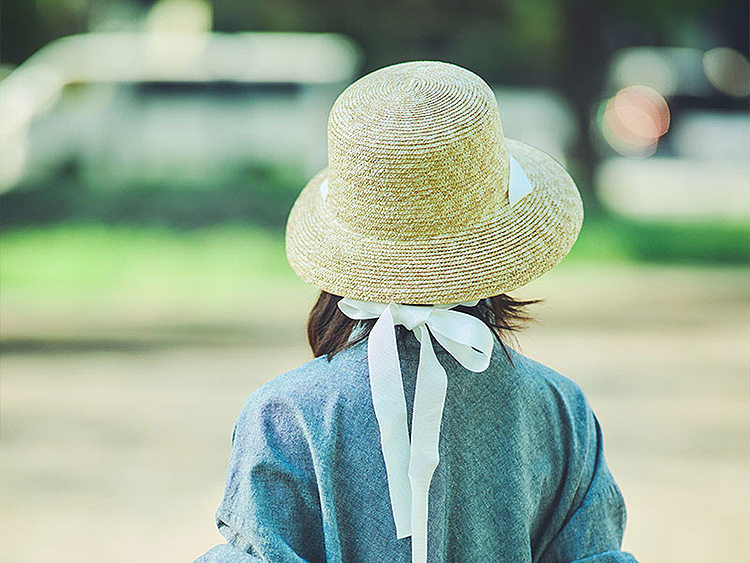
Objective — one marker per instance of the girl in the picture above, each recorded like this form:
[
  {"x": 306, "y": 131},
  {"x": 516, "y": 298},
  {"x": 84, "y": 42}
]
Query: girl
[{"x": 416, "y": 434}]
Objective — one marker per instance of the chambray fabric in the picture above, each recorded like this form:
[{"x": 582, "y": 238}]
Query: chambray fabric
[{"x": 522, "y": 476}]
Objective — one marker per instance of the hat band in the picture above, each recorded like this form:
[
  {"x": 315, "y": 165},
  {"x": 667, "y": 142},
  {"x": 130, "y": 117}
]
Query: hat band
[{"x": 410, "y": 464}]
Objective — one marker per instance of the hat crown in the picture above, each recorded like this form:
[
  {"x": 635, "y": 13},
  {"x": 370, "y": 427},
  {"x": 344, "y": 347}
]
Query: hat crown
[{"x": 416, "y": 150}]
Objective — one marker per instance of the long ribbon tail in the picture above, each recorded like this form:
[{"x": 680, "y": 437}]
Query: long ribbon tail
[
  {"x": 410, "y": 464},
  {"x": 429, "y": 399},
  {"x": 390, "y": 409}
]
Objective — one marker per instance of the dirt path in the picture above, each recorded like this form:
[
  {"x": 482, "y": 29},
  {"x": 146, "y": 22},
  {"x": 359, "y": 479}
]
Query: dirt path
[{"x": 114, "y": 438}]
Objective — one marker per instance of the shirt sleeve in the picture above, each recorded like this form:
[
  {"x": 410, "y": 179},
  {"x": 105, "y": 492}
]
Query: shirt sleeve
[
  {"x": 593, "y": 532},
  {"x": 271, "y": 507}
]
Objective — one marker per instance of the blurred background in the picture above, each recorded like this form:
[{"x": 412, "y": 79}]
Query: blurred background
[{"x": 150, "y": 152}]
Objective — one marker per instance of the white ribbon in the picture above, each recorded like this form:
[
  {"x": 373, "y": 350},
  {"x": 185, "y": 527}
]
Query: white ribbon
[
  {"x": 519, "y": 185},
  {"x": 410, "y": 466}
]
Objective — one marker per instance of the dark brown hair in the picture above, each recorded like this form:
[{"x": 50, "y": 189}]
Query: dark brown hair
[{"x": 329, "y": 330}]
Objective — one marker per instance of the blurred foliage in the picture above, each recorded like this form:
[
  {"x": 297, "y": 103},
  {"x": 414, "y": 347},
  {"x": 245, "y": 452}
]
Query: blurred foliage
[
  {"x": 518, "y": 41},
  {"x": 260, "y": 194},
  {"x": 668, "y": 21}
]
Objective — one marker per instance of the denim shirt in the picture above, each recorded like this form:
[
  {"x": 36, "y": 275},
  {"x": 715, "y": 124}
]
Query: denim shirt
[{"x": 522, "y": 476}]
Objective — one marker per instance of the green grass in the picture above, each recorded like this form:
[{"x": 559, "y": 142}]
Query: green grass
[
  {"x": 616, "y": 240},
  {"x": 81, "y": 260}
]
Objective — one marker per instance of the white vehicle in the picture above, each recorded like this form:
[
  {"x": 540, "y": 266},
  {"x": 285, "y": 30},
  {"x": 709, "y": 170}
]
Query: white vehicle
[{"x": 131, "y": 107}]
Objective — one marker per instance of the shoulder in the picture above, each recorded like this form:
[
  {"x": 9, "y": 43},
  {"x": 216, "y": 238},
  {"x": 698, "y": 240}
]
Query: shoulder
[
  {"x": 567, "y": 437},
  {"x": 552, "y": 396},
  {"x": 344, "y": 374},
  {"x": 308, "y": 394},
  {"x": 544, "y": 379}
]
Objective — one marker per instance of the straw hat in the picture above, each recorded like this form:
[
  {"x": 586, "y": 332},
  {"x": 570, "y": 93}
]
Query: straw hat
[{"x": 417, "y": 204}]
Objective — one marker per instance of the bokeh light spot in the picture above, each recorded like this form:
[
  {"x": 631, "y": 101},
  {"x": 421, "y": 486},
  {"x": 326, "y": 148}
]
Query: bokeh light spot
[
  {"x": 728, "y": 71},
  {"x": 634, "y": 120}
]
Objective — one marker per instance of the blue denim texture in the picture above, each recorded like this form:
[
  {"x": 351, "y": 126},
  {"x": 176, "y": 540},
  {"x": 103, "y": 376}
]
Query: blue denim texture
[{"x": 522, "y": 476}]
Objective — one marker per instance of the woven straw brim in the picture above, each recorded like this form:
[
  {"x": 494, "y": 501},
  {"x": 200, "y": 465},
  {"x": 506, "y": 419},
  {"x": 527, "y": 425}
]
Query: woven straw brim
[{"x": 509, "y": 249}]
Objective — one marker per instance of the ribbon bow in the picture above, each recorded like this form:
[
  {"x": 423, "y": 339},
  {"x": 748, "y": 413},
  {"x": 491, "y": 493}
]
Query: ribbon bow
[{"x": 410, "y": 464}]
